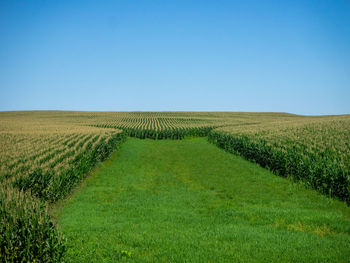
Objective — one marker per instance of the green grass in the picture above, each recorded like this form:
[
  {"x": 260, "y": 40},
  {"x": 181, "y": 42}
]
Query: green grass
[{"x": 189, "y": 201}]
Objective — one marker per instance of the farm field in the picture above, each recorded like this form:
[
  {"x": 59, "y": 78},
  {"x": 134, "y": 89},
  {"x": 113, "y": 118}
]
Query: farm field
[
  {"x": 114, "y": 146},
  {"x": 316, "y": 152},
  {"x": 189, "y": 201},
  {"x": 44, "y": 155}
]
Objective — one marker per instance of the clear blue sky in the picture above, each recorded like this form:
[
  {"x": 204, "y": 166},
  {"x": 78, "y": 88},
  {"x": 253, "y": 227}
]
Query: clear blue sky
[{"x": 287, "y": 56}]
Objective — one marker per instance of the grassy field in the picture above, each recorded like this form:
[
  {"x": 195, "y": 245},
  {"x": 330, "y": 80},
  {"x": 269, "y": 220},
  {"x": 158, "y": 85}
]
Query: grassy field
[
  {"x": 45, "y": 154},
  {"x": 188, "y": 201}
]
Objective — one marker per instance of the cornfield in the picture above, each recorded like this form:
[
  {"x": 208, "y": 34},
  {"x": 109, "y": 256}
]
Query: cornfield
[
  {"x": 41, "y": 160},
  {"x": 43, "y": 155},
  {"x": 315, "y": 151}
]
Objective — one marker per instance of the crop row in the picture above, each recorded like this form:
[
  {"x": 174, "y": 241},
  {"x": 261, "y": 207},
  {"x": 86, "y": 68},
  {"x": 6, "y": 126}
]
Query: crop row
[
  {"x": 164, "y": 133},
  {"x": 43, "y": 155},
  {"x": 51, "y": 185},
  {"x": 62, "y": 156},
  {"x": 27, "y": 233},
  {"x": 300, "y": 151}
]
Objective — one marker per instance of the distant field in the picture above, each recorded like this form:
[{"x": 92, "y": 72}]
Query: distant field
[{"x": 45, "y": 154}]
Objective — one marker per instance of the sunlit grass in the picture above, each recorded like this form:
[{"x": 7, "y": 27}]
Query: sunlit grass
[{"x": 189, "y": 201}]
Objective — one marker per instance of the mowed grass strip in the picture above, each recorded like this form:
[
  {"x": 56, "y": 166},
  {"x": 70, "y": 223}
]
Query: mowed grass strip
[{"x": 189, "y": 201}]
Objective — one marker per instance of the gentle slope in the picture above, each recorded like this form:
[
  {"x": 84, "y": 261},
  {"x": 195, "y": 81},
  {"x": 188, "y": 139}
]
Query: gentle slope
[{"x": 189, "y": 201}]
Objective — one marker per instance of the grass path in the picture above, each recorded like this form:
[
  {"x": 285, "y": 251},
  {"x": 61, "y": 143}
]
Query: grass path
[{"x": 189, "y": 201}]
